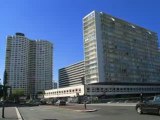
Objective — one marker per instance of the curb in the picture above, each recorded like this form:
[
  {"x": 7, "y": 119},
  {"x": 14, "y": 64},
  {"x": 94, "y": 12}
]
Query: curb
[
  {"x": 90, "y": 110},
  {"x": 115, "y": 104}
]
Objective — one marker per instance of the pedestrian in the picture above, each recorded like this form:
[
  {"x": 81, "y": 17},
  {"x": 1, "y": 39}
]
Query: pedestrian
[{"x": 141, "y": 97}]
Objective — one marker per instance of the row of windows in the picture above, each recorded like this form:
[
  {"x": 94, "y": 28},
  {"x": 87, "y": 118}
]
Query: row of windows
[
  {"x": 92, "y": 76},
  {"x": 90, "y": 49},
  {"x": 71, "y": 68},
  {"x": 77, "y": 90},
  {"x": 92, "y": 15},
  {"x": 75, "y": 71},
  {"x": 91, "y": 61},
  {"x": 91, "y": 80},
  {"x": 89, "y": 43},
  {"x": 67, "y": 81},
  {"x": 66, "y": 84},
  {"x": 121, "y": 89},
  {"x": 126, "y": 26}
]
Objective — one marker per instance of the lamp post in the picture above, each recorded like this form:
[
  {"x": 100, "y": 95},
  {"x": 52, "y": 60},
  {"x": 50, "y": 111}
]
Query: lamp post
[
  {"x": 85, "y": 91},
  {"x": 90, "y": 88},
  {"x": 4, "y": 92}
]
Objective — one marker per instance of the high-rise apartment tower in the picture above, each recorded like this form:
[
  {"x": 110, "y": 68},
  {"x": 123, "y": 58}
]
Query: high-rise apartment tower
[{"x": 28, "y": 64}]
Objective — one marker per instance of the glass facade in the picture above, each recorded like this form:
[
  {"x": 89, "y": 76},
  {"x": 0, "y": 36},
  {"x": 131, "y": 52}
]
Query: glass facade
[
  {"x": 129, "y": 52},
  {"x": 90, "y": 48}
]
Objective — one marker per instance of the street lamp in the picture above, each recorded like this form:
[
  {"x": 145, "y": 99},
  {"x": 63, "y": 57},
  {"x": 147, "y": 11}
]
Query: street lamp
[
  {"x": 85, "y": 91},
  {"x": 90, "y": 88},
  {"x": 4, "y": 92}
]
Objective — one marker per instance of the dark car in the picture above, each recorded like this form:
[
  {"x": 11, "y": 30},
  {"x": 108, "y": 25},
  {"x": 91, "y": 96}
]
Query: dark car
[{"x": 149, "y": 106}]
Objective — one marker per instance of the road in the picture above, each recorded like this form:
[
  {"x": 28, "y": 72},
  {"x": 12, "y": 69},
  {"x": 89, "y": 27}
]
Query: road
[{"x": 65, "y": 113}]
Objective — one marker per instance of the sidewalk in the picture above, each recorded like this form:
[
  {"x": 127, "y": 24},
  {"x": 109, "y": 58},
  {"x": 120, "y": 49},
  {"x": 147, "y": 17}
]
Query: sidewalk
[
  {"x": 93, "y": 107},
  {"x": 9, "y": 113},
  {"x": 114, "y": 104},
  {"x": 79, "y": 108}
]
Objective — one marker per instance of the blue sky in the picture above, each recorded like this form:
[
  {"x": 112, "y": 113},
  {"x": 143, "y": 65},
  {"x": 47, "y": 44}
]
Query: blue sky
[{"x": 60, "y": 22}]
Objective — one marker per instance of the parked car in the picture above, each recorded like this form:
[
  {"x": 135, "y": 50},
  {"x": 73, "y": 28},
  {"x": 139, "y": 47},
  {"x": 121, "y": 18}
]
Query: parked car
[
  {"x": 32, "y": 103},
  {"x": 60, "y": 102},
  {"x": 43, "y": 102},
  {"x": 149, "y": 106}
]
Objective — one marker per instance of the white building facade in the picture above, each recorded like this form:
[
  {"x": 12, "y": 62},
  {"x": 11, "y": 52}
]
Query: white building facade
[
  {"x": 96, "y": 90},
  {"x": 72, "y": 91},
  {"x": 118, "y": 51},
  {"x": 24, "y": 62},
  {"x": 44, "y": 65}
]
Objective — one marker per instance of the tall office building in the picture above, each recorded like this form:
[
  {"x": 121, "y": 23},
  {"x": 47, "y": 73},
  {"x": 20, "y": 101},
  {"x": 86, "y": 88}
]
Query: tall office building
[
  {"x": 121, "y": 60},
  {"x": 28, "y": 64},
  {"x": 71, "y": 75},
  {"x": 55, "y": 85},
  {"x": 43, "y": 65},
  {"x": 119, "y": 51}
]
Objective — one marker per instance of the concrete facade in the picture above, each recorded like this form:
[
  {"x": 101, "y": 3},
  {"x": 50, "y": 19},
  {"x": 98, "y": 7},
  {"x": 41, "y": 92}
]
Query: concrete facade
[
  {"x": 72, "y": 91},
  {"x": 119, "y": 51},
  {"x": 102, "y": 90},
  {"x": 71, "y": 75},
  {"x": 28, "y": 64}
]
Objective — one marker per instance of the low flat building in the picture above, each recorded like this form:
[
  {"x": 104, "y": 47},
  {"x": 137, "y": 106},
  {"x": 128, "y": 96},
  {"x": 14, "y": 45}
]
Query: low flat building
[
  {"x": 71, "y": 75},
  {"x": 103, "y": 89},
  {"x": 72, "y": 91}
]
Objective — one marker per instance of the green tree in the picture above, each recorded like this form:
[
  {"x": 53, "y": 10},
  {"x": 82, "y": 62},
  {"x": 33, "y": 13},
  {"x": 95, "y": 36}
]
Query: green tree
[
  {"x": 17, "y": 93},
  {"x": 1, "y": 91}
]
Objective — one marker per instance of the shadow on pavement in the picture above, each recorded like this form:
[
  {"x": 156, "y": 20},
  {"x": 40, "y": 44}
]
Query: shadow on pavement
[
  {"x": 8, "y": 118},
  {"x": 50, "y": 119}
]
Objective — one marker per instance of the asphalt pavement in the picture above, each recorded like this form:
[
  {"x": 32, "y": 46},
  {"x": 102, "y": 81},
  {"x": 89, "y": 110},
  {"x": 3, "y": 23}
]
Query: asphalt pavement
[
  {"x": 10, "y": 113},
  {"x": 104, "y": 112},
  {"x": 113, "y": 111}
]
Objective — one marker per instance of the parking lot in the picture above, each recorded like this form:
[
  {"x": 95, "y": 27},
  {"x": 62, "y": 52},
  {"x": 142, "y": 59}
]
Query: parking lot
[{"x": 69, "y": 112}]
